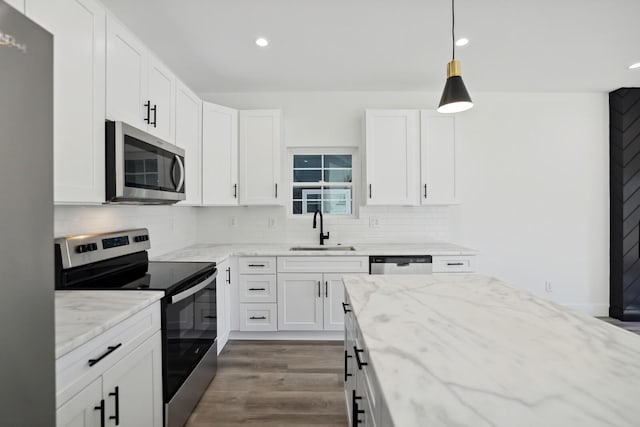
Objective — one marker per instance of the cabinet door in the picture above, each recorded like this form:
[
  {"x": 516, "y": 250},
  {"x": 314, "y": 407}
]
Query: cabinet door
[
  {"x": 438, "y": 159},
  {"x": 17, "y": 4},
  {"x": 189, "y": 137},
  {"x": 78, "y": 27},
  {"x": 133, "y": 387},
  {"x": 80, "y": 410},
  {"x": 260, "y": 153},
  {"x": 162, "y": 91},
  {"x": 300, "y": 302},
  {"x": 333, "y": 299},
  {"x": 127, "y": 82},
  {"x": 223, "y": 304},
  {"x": 392, "y": 157},
  {"x": 219, "y": 155}
]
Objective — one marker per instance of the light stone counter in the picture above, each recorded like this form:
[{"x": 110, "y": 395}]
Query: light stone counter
[
  {"x": 469, "y": 350},
  {"x": 82, "y": 315},
  {"x": 218, "y": 253}
]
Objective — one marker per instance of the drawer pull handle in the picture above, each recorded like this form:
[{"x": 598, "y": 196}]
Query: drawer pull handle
[
  {"x": 229, "y": 275},
  {"x": 257, "y": 289},
  {"x": 256, "y": 265},
  {"x": 210, "y": 317},
  {"x": 110, "y": 350},
  {"x": 344, "y": 307},
  {"x": 347, "y": 356},
  {"x": 356, "y": 410},
  {"x": 116, "y": 394},
  {"x": 101, "y": 409},
  {"x": 455, "y": 263},
  {"x": 257, "y": 318},
  {"x": 357, "y": 352}
]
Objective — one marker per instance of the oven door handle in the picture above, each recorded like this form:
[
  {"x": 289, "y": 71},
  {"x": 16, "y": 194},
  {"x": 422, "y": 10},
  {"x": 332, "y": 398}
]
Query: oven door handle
[
  {"x": 181, "y": 181},
  {"x": 192, "y": 290}
]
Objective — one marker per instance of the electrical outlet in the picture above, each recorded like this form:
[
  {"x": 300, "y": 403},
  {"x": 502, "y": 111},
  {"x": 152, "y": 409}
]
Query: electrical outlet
[
  {"x": 272, "y": 222},
  {"x": 374, "y": 222},
  {"x": 547, "y": 286},
  {"x": 233, "y": 221}
]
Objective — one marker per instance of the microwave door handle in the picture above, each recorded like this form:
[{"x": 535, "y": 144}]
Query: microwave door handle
[
  {"x": 194, "y": 289},
  {"x": 181, "y": 181},
  {"x": 173, "y": 168}
]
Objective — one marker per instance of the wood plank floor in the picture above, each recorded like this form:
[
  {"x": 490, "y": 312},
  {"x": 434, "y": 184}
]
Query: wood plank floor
[{"x": 275, "y": 383}]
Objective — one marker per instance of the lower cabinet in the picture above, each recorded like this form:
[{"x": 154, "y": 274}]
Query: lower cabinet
[{"x": 85, "y": 409}]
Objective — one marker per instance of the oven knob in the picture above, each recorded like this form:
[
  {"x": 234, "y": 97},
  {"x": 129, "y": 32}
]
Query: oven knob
[
  {"x": 137, "y": 239},
  {"x": 81, "y": 249},
  {"x": 94, "y": 246}
]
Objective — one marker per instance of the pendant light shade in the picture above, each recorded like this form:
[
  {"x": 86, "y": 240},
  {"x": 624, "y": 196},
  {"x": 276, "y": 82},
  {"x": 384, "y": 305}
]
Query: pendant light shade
[{"x": 455, "y": 97}]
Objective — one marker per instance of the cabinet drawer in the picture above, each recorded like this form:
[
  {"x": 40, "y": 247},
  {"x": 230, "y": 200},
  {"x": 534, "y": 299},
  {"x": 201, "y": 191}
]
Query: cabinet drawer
[
  {"x": 453, "y": 264},
  {"x": 257, "y": 288},
  {"x": 323, "y": 264},
  {"x": 73, "y": 372},
  {"x": 258, "y": 317},
  {"x": 257, "y": 265}
]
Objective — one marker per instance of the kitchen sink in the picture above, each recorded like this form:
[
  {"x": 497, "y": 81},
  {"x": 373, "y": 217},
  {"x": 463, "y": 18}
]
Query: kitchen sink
[{"x": 322, "y": 248}]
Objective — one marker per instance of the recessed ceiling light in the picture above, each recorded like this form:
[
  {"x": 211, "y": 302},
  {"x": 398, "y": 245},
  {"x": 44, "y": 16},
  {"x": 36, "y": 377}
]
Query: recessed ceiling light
[
  {"x": 462, "y": 42},
  {"x": 634, "y": 66},
  {"x": 262, "y": 42}
]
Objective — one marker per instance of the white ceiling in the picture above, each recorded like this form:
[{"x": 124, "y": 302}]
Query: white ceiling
[{"x": 394, "y": 45}]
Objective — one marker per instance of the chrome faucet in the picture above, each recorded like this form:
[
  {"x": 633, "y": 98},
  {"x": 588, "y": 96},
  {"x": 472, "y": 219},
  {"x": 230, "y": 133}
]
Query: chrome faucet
[{"x": 323, "y": 236}]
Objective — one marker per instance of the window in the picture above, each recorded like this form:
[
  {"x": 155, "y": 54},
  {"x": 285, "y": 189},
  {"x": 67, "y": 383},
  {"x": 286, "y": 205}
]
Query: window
[{"x": 322, "y": 182}]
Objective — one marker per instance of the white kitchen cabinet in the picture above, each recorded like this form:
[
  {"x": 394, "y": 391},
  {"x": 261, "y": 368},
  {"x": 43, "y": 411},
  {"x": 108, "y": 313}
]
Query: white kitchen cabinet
[
  {"x": 17, "y": 4},
  {"x": 188, "y": 135},
  {"x": 260, "y": 156},
  {"x": 223, "y": 302},
  {"x": 438, "y": 159},
  {"x": 132, "y": 390},
  {"x": 333, "y": 298},
  {"x": 140, "y": 89},
  {"x": 78, "y": 27},
  {"x": 219, "y": 155},
  {"x": 257, "y": 288},
  {"x": 83, "y": 410},
  {"x": 258, "y": 317},
  {"x": 392, "y": 157},
  {"x": 300, "y": 302}
]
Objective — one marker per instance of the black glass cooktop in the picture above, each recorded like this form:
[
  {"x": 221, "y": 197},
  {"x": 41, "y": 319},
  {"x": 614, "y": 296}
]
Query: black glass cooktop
[{"x": 170, "y": 276}]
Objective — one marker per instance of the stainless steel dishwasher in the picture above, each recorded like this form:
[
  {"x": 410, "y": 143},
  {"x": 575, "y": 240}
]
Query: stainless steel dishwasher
[{"x": 411, "y": 264}]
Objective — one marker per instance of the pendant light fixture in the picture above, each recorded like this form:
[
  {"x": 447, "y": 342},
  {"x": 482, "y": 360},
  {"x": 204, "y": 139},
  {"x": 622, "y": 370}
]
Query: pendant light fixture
[{"x": 455, "y": 97}]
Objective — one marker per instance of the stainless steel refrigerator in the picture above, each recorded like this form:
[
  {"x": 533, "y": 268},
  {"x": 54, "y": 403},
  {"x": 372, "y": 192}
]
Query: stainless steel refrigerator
[{"x": 27, "y": 393}]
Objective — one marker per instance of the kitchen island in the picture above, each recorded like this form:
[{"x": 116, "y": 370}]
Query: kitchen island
[{"x": 470, "y": 350}]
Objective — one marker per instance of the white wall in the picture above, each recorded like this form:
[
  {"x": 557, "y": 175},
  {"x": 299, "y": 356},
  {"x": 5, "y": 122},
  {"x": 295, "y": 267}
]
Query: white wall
[
  {"x": 532, "y": 175},
  {"x": 170, "y": 227}
]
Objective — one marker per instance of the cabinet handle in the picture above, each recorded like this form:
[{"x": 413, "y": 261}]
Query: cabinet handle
[
  {"x": 148, "y": 118},
  {"x": 355, "y": 410},
  {"x": 346, "y": 365},
  {"x": 276, "y": 190},
  {"x": 210, "y": 317},
  {"x": 110, "y": 350},
  {"x": 101, "y": 409},
  {"x": 370, "y": 191},
  {"x": 455, "y": 263},
  {"x": 116, "y": 394},
  {"x": 326, "y": 289},
  {"x": 257, "y": 318},
  {"x": 229, "y": 275},
  {"x": 344, "y": 307},
  {"x": 357, "y": 352},
  {"x": 256, "y": 265},
  {"x": 155, "y": 114},
  {"x": 425, "y": 191},
  {"x": 235, "y": 191},
  {"x": 257, "y": 289},
  {"x": 319, "y": 284}
]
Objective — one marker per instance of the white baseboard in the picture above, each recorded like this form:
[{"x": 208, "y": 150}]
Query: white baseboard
[
  {"x": 288, "y": 335},
  {"x": 596, "y": 310}
]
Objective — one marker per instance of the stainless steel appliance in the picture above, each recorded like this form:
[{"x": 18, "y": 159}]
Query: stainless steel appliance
[
  {"x": 27, "y": 369},
  {"x": 418, "y": 264},
  {"x": 189, "y": 328},
  {"x": 141, "y": 168}
]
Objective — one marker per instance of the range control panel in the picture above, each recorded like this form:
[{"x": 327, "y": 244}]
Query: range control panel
[{"x": 88, "y": 248}]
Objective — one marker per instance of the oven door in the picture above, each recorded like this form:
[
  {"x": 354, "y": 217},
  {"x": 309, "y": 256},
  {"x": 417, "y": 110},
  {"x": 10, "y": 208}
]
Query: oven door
[
  {"x": 142, "y": 168},
  {"x": 190, "y": 332}
]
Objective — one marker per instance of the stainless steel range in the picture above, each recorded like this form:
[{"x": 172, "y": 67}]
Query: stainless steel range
[{"x": 119, "y": 260}]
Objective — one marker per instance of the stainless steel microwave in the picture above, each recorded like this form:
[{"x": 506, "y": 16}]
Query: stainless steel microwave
[{"x": 142, "y": 169}]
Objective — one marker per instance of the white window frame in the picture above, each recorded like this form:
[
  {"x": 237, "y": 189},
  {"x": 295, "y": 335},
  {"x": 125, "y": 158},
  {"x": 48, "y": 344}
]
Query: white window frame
[{"x": 324, "y": 151}]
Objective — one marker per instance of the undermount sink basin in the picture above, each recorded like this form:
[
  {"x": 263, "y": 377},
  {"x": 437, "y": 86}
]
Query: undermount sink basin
[{"x": 322, "y": 248}]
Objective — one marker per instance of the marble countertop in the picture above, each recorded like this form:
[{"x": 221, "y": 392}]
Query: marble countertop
[
  {"x": 470, "y": 350},
  {"x": 82, "y": 315},
  {"x": 218, "y": 253}
]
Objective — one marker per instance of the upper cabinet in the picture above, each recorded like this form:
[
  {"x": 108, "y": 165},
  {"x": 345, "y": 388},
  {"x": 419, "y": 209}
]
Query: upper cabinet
[
  {"x": 437, "y": 158},
  {"x": 410, "y": 158},
  {"x": 392, "y": 157},
  {"x": 140, "y": 89},
  {"x": 188, "y": 128},
  {"x": 220, "y": 184},
  {"x": 17, "y": 4},
  {"x": 78, "y": 27},
  {"x": 260, "y": 154}
]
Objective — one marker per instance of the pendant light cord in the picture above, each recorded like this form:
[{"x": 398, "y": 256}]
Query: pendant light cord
[{"x": 453, "y": 28}]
